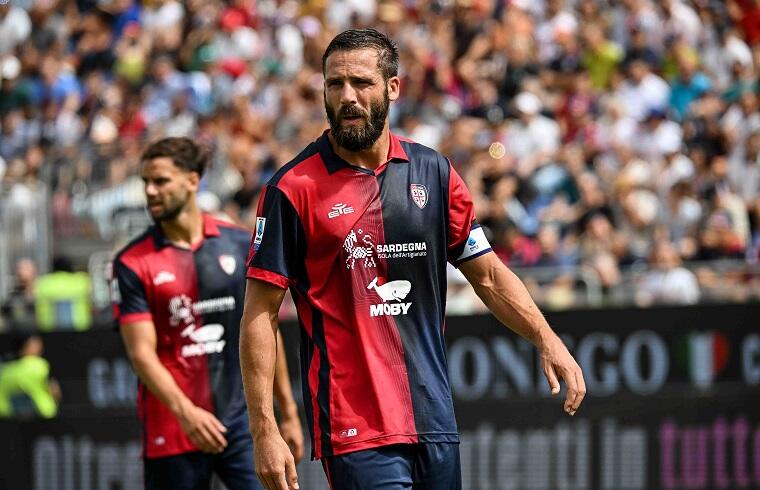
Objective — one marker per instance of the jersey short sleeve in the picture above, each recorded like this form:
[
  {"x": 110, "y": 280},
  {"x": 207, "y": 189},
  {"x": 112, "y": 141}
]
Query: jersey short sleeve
[
  {"x": 276, "y": 246},
  {"x": 466, "y": 237},
  {"x": 128, "y": 295}
]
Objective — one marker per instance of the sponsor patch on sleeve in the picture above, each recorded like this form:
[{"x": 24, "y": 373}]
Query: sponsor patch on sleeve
[
  {"x": 476, "y": 244},
  {"x": 259, "y": 233}
]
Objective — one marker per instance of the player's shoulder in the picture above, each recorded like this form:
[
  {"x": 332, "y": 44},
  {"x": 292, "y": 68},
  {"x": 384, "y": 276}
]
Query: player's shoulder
[
  {"x": 139, "y": 246},
  {"x": 306, "y": 156},
  {"x": 420, "y": 154},
  {"x": 231, "y": 230}
]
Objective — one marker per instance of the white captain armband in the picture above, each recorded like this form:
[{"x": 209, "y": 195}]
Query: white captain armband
[{"x": 476, "y": 244}]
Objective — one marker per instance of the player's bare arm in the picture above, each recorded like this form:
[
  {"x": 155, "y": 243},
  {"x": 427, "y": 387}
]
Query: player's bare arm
[
  {"x": 505, "y": 295},
  {"x": 290, "y": 422},
  {"x": 275, "y": 465},
  {"x": 201, "y": 426}
]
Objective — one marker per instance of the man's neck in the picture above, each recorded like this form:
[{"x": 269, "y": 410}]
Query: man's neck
[
  {"x": 370, "y": 158},
  {"x": 186, "y": 229}
]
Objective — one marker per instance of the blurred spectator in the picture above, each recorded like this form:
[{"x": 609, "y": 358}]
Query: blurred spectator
[
  {"x": 26, "y": 388},
  {"x": 601, "y": 57},
  {"x": 18, "y": 308},
  {"x": 15, "y": 26},
  {"x": 553, "y": 111},
  {"x": 689, "y": 85},
  {"x": 63, "y": 298},
  {"x": 668, "y": 282}
]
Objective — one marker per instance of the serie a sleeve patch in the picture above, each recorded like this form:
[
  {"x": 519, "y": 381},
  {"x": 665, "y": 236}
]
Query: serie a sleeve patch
[{"x": 476, "y": 244}]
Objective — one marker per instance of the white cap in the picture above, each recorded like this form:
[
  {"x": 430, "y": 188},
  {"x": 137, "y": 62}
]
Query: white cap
[
  {"x": 528, "y": 103},
  {"x": 10, "y": 67}
]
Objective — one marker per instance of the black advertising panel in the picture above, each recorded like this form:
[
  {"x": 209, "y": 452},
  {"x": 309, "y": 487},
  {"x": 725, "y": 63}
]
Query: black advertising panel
[{"x": 673, "y": 403}]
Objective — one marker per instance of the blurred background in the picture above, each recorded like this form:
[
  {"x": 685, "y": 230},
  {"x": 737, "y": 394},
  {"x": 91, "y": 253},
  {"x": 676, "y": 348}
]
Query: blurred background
[{"x": 612, "y": 148}]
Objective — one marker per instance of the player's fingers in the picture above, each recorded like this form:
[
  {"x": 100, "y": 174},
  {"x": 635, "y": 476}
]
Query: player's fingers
[
  {"x": 203, "y": 440},
  {"x": 267, "y": 482},
  {"x": 281, "y": 482},
  {"x": 551, "y": 378},
  {"x": 211, "y": 438},
  {"x": 297, "y": 450},
  {"x": 219, "y": 426},
  {"x": 571, "y": 392},
  {"x": 217, "y": 438},
  {"x": 581, "y": 383},
  {"x": 197, "y": 439},
  {"x": 290, "y": 474}
]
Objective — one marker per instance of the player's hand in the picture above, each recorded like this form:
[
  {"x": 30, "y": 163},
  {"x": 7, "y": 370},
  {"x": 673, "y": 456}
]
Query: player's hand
[
  {"x": 274, "y": 463},
  {"x": 203, "y": 428},
  {"x": 558, "y": 363},
  {"x": 292, "y": 434}
]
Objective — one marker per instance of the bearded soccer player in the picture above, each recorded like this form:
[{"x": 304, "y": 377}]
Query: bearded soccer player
[
  {"x": 178, "y": 296},
  {"x": 360, "y": 226}
]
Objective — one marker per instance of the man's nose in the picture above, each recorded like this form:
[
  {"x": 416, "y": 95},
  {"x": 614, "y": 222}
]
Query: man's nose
[{"x": 348, "y": 95}]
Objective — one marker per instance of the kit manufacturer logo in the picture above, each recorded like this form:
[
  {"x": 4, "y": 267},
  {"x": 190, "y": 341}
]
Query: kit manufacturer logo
[
  {"x": 163, "y": 277},
  {"x": 340, "y": 209}
]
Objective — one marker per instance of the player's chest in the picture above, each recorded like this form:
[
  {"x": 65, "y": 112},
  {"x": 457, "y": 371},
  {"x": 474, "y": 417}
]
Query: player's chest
[
  {"x": 397, "y": 211},
  {"x": 215, "y": 270}
]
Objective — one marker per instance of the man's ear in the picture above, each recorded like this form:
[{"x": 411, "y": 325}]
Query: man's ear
[
  {"x": 394, "y": 88},
  {"x": 195, "y": 179}
]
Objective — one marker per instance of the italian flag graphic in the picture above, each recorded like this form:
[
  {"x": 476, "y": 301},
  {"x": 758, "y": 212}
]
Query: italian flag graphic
[{"x": 706, "y": 356}]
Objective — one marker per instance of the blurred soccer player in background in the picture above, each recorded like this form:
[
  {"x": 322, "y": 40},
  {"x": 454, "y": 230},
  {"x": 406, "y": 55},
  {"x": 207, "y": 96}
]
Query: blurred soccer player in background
[
  {"x": 178, "y": 296},
  {"x": 360, "y": 226}
]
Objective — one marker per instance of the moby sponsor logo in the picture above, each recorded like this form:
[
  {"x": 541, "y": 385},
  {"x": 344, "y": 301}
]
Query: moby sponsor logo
[{"x": 390, "y": 292}]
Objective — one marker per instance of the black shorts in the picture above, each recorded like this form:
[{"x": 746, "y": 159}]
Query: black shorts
[
  {"x": 193, "y": 471},
  {"x": 423, "y": 466}
]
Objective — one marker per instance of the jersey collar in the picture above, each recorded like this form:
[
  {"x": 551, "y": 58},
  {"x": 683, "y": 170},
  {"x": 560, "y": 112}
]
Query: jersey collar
[
  {"x": 210, "y": 229},
  {"x": 334, "y": 163}
]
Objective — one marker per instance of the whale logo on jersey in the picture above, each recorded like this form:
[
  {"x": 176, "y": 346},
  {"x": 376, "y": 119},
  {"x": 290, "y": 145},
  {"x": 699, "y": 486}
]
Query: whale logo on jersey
[
  {"x": 419, "y": 195},
  {"x": 228, "y": 263},
  {"x": 390, "y": 291},
  {"x": 206, "y": 338}
]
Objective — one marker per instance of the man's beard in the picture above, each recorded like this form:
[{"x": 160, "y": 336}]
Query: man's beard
[
  {"x": 359, "y": 137},
  {"x": 170, "y": 211}
]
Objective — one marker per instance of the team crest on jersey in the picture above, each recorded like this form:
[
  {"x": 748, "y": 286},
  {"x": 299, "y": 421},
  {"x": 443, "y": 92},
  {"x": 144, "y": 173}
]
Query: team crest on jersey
[
  {"x": 419, "y": 195},
  {"x": 228, "y": 264}
]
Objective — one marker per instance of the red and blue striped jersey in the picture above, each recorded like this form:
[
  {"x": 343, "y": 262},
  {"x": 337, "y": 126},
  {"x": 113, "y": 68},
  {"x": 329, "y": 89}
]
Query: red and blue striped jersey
[
  {"x": 364, "y": 254},
  {"x": 194, "y": 297}
]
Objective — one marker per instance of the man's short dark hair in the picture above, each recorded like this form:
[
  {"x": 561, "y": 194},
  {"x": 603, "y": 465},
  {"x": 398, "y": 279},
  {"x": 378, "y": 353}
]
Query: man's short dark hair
[
  {"x": 353, "y": 39},
  {"x": 184, "y": 152}
]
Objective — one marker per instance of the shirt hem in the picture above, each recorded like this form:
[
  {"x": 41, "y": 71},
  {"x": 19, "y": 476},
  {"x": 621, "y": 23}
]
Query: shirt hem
[
  {"x": 448, "y": 437},
  {"x": 135, "y": 317},
  {"x": 268, "y": 276},
  {"x": 473, "y": 256}
]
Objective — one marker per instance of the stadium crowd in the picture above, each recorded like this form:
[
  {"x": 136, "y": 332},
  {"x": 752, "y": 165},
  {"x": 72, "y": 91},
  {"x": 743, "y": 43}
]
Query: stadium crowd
[{"x": 595, "y": 134}]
